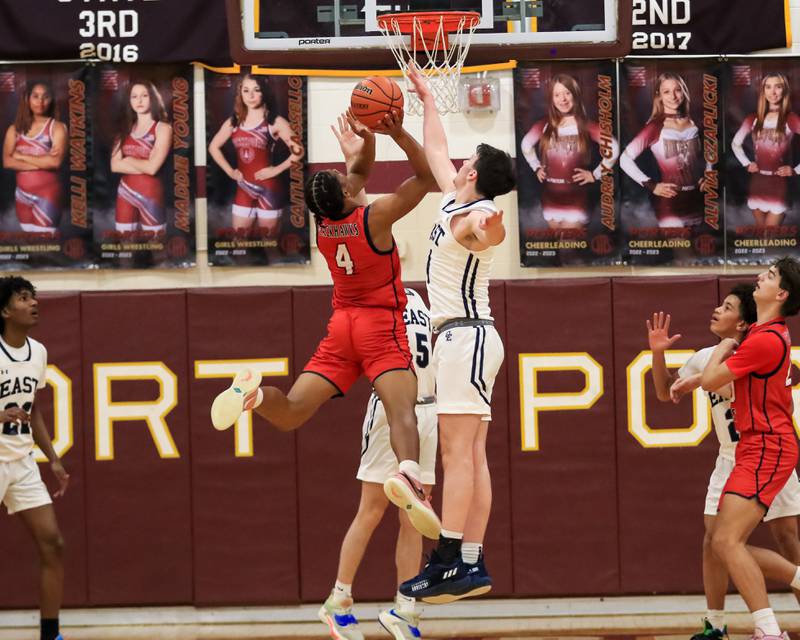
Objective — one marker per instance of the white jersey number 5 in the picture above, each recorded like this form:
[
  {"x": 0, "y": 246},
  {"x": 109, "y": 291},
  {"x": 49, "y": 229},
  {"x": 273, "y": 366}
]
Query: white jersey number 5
[{"x": 343, "y": 259}]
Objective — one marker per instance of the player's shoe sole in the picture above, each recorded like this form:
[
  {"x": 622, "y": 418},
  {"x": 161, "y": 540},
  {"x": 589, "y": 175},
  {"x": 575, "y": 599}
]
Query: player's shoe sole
[
  {"x": 402, "y": 494},
  {"x": 447, "y": 598},
  {"x": 241, "y": 396},
  {"x": 340, "y": 626},
  {"x": 398, "y": 626}
]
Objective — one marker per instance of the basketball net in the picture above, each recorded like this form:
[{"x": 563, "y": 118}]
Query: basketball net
[{"x": 438, "y": 46}]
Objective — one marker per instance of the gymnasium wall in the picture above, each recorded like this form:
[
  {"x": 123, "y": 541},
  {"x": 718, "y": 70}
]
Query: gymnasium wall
[{"x": 598, "y": 488}]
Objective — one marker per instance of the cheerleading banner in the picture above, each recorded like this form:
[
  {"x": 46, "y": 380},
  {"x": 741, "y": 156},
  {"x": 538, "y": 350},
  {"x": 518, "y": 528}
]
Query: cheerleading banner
[
  {"x": 143, "y": 195},
  {"x": 256, "y": 127},
  {"x": 565, "y": 115},
  {"x": 762, "y": 163},
  {"x": 671, "y": 124},
  {"x": 45, "y": 184}
]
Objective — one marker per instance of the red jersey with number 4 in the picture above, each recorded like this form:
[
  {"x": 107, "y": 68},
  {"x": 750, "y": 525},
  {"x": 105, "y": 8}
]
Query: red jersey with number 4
[
  {"x": 363, "y": 276},
  {"x": 762, "y": 366}
]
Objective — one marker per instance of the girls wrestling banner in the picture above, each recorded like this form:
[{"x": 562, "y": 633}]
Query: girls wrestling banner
[
  {"x": 762, "y": 200},
  {"x": 143, "y": 149},
  {"x": 45, "y": 183},
  {"x": 256, "y": 127},
  {"x": 671, "y": 123},
  {"x": 566, "y": 133}
]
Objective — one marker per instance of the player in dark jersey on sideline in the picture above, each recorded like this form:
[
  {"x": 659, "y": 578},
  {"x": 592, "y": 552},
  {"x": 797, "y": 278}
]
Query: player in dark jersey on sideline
[
  {"x": 23, "y": 366},
  {"x": 366, "y": 333},
  {"x": 760, "y": 369}
]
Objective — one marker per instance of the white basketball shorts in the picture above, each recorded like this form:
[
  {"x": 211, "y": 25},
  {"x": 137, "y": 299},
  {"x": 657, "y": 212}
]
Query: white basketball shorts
[
  {"x": 467, "y": 360},
  {"x": 378, "y": 462},
  {"x": 21, "y": 485},
  {"x": 786, "y": 503}
]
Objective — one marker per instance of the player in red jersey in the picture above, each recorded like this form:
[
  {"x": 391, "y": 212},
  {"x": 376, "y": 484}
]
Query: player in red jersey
[
  {"x": 35, "y": 146},
  {"x": 140, "y": 149},
  {"x": 766, "y": 455},
  {"x": 366, "y": 333},
  {"x": 254, "y": 128}
]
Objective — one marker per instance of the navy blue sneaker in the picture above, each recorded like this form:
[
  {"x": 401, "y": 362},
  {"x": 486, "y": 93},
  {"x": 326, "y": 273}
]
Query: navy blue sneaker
[
  {"x": 480, "y": 581},
  {"x": 439, "y": 582}
]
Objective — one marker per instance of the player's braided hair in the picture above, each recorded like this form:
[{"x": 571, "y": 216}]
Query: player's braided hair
[
  {"x": 324, "y": 195},
  {"x": 10, "y": 285}
]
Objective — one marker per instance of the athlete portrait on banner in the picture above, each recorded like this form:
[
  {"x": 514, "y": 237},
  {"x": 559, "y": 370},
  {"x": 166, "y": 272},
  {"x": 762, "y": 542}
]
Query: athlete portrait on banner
[
  {"x": 144, "y": 208},
  {"x": 255, "y": 164},
  {"x": 671, "y": 209},
  {"x": 762, "y": 164},
  {"x": 565, "y": 123},
  {"x": 38, "y": 227}
]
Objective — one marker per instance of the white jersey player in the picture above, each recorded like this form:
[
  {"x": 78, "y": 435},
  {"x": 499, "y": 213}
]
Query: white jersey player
[
  {"x": 467, "y": 354},
  {"x": 729, "y": 320},
  {"x": 23, "y": 367},
  {"x": 378, "y": 462}
]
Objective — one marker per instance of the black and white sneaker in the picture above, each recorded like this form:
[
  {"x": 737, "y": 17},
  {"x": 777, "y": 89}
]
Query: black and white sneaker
[{"x": 439, "y": 582}]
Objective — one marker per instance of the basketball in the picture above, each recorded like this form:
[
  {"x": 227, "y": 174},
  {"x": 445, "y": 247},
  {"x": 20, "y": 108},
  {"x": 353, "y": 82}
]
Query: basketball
[{"x": 373, "y": 98}]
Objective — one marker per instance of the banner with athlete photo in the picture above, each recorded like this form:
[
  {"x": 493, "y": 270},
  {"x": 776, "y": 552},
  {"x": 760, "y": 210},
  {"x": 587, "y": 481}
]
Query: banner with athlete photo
[
  {"x": 143, "y": 149},
  {"x": 45, "y": 183},
  {"x": 567, "y": 187},
  {"x": 762, "y": 163},
  {"x": 256, "y": 127},
  {"x": 671, "y": 127}
]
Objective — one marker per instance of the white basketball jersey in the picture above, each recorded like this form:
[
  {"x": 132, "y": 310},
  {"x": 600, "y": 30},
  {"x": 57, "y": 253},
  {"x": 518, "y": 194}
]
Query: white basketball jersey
[
  {"x": 721, "y": 412},
  {"x": 22, "y": 372},
  {"x": 457, "y": 278},
  {"x": 418, "y": 329}
]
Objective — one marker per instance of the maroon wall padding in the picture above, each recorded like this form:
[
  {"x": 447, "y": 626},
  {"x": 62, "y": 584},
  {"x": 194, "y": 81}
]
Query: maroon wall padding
[
  {"x": 59, "y": 317},
  {"x": 661, "y": 490},
  {"x": 139, "y": 508},
  {"x": 244, "y": 508},
  {"x": 564, "y": 494}
]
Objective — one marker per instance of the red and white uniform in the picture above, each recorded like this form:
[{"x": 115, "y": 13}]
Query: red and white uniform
[
  {"x": 562, "y": 199},
  {"x": 679, "y": 155},
  {"x": 768, "y": 191},
  {"x": 38, "y": 193},
  {"x": 767, "y": 451},
  {"x": 366, "y": 333},
  {"x": 140, "y": 197},
  {"x": 261, "y": 198}
]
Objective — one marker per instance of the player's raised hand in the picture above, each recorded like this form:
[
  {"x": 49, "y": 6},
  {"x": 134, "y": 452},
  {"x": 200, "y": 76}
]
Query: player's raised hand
[
  {"x": 358, "y": 127},
  {"x": 420, "y": 83},
  {"x": 392, "y": 124},
  {"x": 349, "y": 142},
  {"x": 61, "y": 475},
  {"x": 491, "y": 220},
  {"x": 658, "y": 332}
]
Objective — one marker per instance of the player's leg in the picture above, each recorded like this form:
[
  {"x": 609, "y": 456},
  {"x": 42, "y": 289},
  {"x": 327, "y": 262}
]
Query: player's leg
[
  {"x": 43, "y": 527},
  {"x": 243, "y": 211},
  {"x": 337, "y": 610},
  {"x": 760, "y": 217},
  {"x": 268, "y": 221},
  {"x": 738, "y": 517},
  {"x": 478, "y": 518},
  {"x": 290, "y": 411},
  {"x": 773, "y": 219},
  {"x": 782, "y": 521}
]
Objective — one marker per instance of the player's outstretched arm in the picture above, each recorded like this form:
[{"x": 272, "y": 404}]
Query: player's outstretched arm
[
  {"x": 717, "y": 373},
  {"x": 659, "y": 340},
  {"x": 387, "y": 209},
  {"x": 434, "y": 139},
  {"x": 363, "y": 159},
  {"x": 479, "y": 229}
]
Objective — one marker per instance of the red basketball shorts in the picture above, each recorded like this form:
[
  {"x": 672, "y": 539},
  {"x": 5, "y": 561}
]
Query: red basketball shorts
[
  {"x": 361, "y": 340},
  {"x": 764, "y": 463}
]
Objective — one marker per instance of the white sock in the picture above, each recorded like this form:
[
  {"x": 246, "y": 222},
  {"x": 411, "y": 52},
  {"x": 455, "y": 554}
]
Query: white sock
[
  {"x": 716, "y": 617},
  {"x": 796, "y": 580},
  {"x": 453, "y": 535},
  {"x": 470, "y": 552},
  {"x": 411, "y": 469},
  {"x": 765, "y": 620},
  {"x": 403, "y": 603},
  {"x": 342, "y": 592}
]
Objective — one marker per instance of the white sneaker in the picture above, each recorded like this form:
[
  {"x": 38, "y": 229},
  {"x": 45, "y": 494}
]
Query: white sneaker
[
  {"x": 341, "y": 622},
  {"x": 242, "y": 395},
  {"x": 758, "y": 634},
  {"x": 403, "y": 493},
  {"x": 403, "y": 626}
]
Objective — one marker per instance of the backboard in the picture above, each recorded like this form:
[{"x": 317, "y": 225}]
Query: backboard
[{"x": 344, "y": 34}]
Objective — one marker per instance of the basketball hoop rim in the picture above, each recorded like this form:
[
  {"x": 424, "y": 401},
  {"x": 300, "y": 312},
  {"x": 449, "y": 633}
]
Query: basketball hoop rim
[{"x": 429, "y": 21}]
